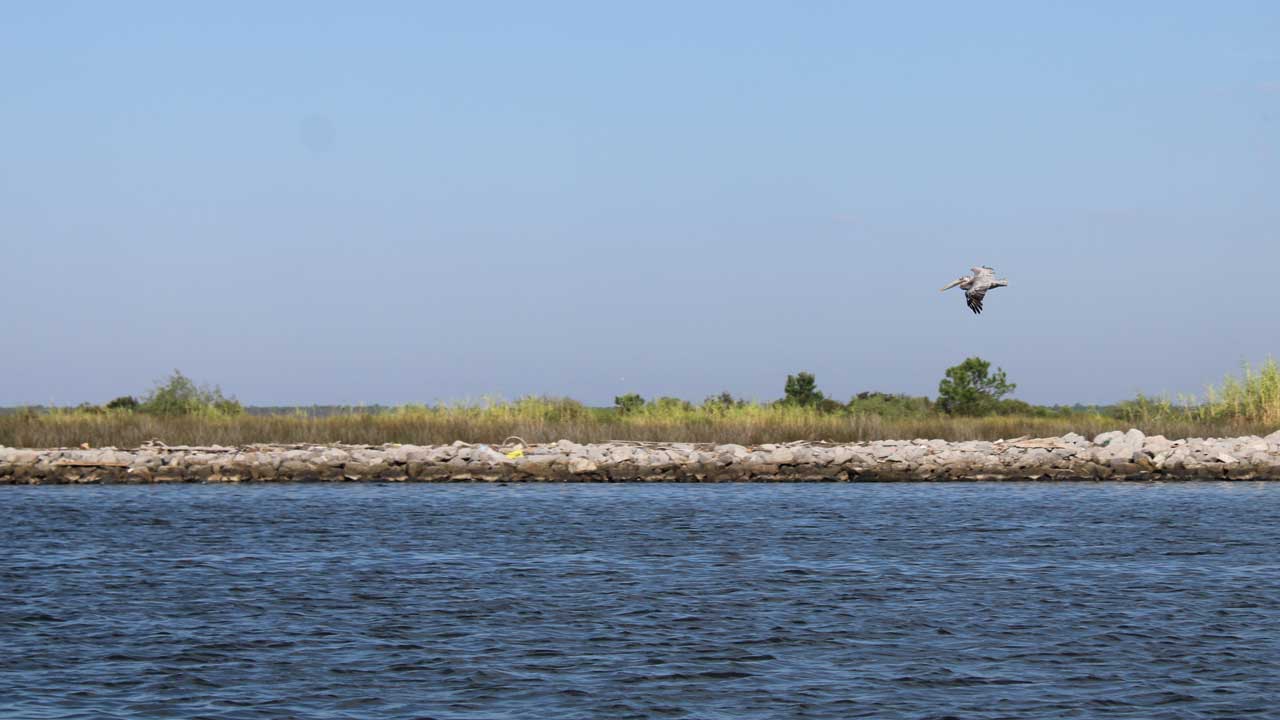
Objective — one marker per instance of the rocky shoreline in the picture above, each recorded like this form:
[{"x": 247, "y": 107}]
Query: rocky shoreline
[{"x": 1111, "y": 456}]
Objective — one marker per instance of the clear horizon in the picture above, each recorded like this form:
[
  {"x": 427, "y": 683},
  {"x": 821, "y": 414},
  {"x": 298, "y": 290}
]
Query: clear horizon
[{"x": 308, "y": 205}]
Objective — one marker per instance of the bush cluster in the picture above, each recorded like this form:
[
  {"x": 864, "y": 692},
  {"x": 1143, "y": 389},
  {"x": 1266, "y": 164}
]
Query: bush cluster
[{"x": 179, "y": 395}]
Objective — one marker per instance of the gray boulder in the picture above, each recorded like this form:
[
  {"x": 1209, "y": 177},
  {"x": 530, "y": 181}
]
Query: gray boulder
[
  {"x": 579, "y": 465},
  {"x": 1157, "y": 444},
  {"x": 1074, "y": 440},
  {"x": 1119, "y": 446},
  {"x": 1106, "y": 437},
  {"x": 488, "y": 455},
  {"x": 782, "y": 456}
]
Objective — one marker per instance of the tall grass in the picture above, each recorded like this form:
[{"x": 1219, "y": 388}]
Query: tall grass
[
  {"x": 550, "y": 420},
  {"x": 1252, "y": 398},
  {"x": 1256, "y": 395}
]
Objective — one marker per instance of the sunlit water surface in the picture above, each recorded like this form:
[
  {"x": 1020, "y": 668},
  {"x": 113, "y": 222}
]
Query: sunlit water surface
[{"x": 641, "y": 601}]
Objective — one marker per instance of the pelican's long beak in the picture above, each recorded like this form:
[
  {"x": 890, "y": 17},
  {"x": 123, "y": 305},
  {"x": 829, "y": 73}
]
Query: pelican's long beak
[{"x": 957, "y": 282}]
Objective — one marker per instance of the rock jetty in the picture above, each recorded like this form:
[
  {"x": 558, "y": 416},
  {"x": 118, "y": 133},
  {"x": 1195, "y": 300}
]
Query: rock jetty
[{"x": 1110, "y": 456}]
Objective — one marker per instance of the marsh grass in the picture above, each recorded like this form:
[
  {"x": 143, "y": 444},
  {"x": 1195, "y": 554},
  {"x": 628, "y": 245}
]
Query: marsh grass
[
  {"x": 1255, "y": 394},
  {"x": 1244, "y": 405},
  {"x": 1252, "y": 398},
  {"x": 547, "y": 421}
]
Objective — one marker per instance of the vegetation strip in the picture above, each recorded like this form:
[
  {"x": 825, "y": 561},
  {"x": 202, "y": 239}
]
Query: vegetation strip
[
  {"x": 971, "y": 405},
  {"x": 1110, "y": 456}
]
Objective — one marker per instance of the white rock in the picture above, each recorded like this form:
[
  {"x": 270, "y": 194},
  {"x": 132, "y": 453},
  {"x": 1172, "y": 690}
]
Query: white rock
[
  {"x": 443, "y": 454},
  {"x": 367, "y": 457},
  {"x": 568, "y": 446},
  {"x": 782, "y": 456},
  {"x": 581, "y": 465},
  {"x": 909, "y": 453},
  {"x": 822, "y": 455},
  {"x": 537, "y": 463},
  {"x": 335, "y": 457},
  {"x": 622, "y": 453},
  {"x": 736, "y": 451},
  {"x": 882, "y": 451},
  {"x": 23, "y": 456},
  {"x": 653, "y": 457},
  {"x": 399, "y": 454},
  {"x": 489, "y": 455},
  {"x": 1262, "y": 457},
  {"x": 1107, "y": 437},
  {"x": 677, "y": 455}
]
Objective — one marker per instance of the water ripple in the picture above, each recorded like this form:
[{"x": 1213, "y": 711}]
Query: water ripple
[{"x": 641, "y": 601}]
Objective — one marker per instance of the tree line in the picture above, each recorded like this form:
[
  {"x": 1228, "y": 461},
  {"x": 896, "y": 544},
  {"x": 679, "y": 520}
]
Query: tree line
[{"x": 969, "y": 389}]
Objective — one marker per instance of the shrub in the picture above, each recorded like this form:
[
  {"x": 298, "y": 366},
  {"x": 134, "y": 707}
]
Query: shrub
[
  {"x": 124, "y": 402},
  {"x": 181, "y": 396},
  {"x": 828, "y": 406},
  {"x": 1018, "y": 407},
  {"x": 548, "y": 409},
  {"x": 722, "y": 403},
  {"x": 671, "y": 405},
  {"x": 628, "y": 403},
  {"x": 890, "y": 405}
]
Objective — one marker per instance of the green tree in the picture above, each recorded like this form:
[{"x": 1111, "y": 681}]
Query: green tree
[
  {"x": 802, "y": 389},
  {"x": 970, "y": 389},
  {"x": 628, "y": 403}
]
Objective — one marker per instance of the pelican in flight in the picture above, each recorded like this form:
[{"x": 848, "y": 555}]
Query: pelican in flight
[{"x": 975, "y": 286}]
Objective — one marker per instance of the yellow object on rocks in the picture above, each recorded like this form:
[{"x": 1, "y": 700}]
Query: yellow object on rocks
[{"x": 518, "y": 452}]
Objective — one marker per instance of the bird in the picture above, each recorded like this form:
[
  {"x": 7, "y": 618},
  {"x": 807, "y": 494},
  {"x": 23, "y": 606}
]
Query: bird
[{"x": 975, "y": 286}]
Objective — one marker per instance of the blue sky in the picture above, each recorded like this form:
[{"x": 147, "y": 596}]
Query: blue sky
[{"x": 318, "y": 203}]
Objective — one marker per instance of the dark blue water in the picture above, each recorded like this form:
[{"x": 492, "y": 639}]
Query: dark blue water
[{"x": 641, "y": 601}]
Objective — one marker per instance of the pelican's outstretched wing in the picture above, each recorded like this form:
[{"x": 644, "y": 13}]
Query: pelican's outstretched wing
[
  {"x": 973, "y": 298},
  {"x": 982, "y": 275}
]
